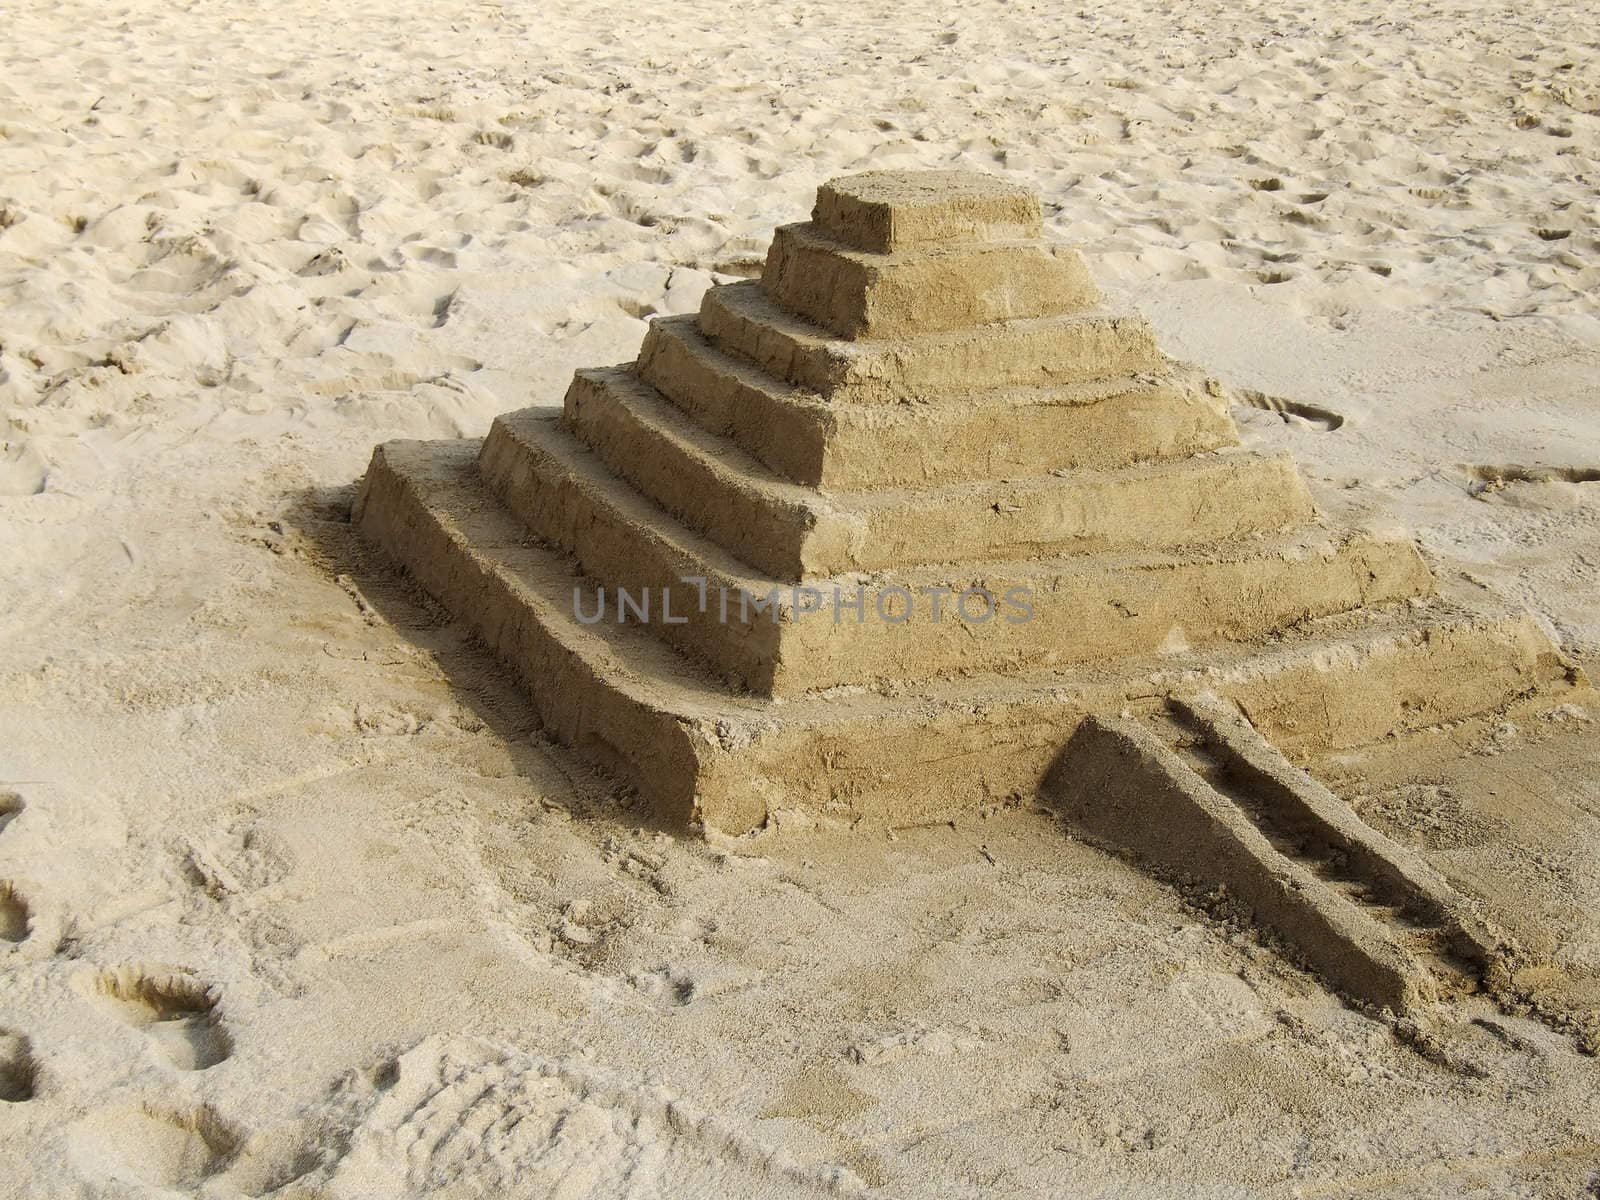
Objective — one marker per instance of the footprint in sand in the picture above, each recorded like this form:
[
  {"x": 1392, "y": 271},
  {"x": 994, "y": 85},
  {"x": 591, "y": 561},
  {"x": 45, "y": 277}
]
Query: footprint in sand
[
  {"x": 167, "y": 1148},
  {"x": 174, "y": 1009},
  {"x": 1530, "y": 486},
  {"x": 23, "y": 469},
  {"x": 16, "y": 1068},
  {"x": 11, "y": 806},
  {"x": 1513, "y": 473},
  {"x": 668, "y": 986},
  {"x": 14, "y": 916},
  {"x": 1325, "y": 420}
]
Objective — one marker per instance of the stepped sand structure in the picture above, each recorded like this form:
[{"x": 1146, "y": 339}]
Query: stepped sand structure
[{"x": 886, "y": 535}]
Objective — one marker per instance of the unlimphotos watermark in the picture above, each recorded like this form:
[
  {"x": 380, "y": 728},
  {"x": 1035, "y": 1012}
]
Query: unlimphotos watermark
[{"x": 892, "y": 604}]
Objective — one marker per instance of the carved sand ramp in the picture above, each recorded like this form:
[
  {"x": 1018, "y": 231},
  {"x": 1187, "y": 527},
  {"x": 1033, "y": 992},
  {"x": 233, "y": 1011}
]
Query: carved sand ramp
[
  {"x": 870, "y": 538},
  {"x": 1190, "y": 787}
]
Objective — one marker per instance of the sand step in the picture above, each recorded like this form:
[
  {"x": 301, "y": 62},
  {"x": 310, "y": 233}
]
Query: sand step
[
  {"x": 701, "y": 479},
  {"x": 611, "y": 691},
  {"x": 776, "y": 638},
  {"x": 859, "y": 294},
  {"x": 1099, "y": 425},
  {"x": 743, "y": 320},
  {"x": 1195, "y": 789},
  {"x": 695, "y": 750},
  {"x": 783, "y": 427},
  {"x": 889, "y": 211},
  {"x": 792, "y": 532}
]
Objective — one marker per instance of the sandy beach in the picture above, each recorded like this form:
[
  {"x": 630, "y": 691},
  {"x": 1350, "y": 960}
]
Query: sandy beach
[{"x": 297, "y": 900}]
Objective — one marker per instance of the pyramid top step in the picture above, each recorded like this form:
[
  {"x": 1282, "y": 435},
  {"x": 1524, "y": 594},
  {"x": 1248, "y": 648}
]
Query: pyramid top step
[{"x": 887, "y": 211}]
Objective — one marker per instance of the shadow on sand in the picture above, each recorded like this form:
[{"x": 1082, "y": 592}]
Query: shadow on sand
[{"x": 482, "y": 684}]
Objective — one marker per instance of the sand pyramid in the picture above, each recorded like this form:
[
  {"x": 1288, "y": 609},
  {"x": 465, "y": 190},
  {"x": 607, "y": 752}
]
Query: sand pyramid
[{"x": 870, "y": 537}]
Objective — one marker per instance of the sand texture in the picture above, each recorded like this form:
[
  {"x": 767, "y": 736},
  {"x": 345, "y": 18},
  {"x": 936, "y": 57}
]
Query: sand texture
[{"x": 297, "y": 897}]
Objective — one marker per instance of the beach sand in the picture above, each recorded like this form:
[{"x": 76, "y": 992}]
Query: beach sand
[{"x": 296, "y": 899}]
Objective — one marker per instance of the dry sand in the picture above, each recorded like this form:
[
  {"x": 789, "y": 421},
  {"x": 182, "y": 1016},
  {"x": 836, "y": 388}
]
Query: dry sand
[{"x": 296, "y": 897}]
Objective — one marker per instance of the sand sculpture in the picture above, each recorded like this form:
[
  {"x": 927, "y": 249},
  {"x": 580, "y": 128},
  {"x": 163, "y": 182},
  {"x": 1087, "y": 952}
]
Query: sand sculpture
[{"x": 911, "y": 525}]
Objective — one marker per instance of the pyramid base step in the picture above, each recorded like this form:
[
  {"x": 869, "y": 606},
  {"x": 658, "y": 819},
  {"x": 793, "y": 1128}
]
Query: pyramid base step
[{"x": 699, "y": 753}]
